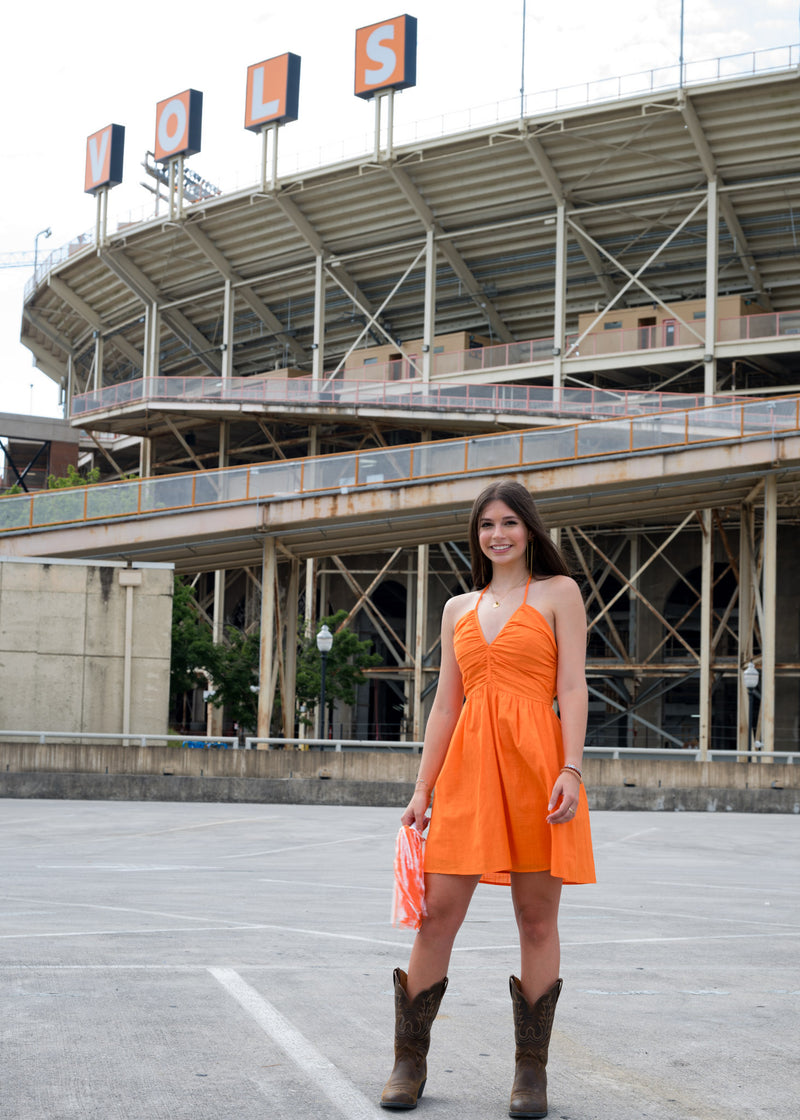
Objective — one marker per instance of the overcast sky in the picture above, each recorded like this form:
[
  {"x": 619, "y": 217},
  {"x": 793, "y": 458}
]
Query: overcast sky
[{"x": 67, "y": 70}]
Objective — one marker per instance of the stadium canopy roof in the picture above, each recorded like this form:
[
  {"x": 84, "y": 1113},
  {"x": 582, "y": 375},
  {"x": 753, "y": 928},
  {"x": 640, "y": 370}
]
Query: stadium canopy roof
[{"x": 629, "y": 173}]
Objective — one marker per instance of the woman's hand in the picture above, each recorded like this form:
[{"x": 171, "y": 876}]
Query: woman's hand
[
  {"x": 415, "y": 814},
  {"x": 563, "y": 803}
]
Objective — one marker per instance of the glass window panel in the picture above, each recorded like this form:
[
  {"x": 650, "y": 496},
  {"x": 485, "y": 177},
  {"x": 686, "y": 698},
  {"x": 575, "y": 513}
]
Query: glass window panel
[
  {"x": 167, "y": 493},
  {"x": 333, "y": 473},
  {"x": 762, "y": 326},
  {"x": 494, "y": 451},
  {"x": 220, "y": 486},
  {"x": 548, "y": 445},
  {"x": 438, "y": 458},
  {"x": 658, "y": 431},
  {"x": 114, "y": 500},
  {"x": 58, "y": 505},
  {"x": 714, "y": 423},
  {"x": 387, "y": 465},
  {"x": 275, "y": 479},
  {"x": 15, "y": 512},
  {"x": 604, "y": 438},
  {"x": 772, "y": 415}
]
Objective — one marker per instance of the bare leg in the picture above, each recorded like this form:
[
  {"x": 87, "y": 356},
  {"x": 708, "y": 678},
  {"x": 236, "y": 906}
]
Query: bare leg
[
  {"x": 536, "y": 896},
  {"x": 447, "y": 898}
]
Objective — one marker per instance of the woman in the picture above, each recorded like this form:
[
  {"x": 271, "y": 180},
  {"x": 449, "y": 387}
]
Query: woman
[{"x": 510, "y": 806}]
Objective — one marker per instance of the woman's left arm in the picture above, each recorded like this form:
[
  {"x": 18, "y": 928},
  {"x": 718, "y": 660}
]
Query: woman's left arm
[{"x": 573, "y": 697}]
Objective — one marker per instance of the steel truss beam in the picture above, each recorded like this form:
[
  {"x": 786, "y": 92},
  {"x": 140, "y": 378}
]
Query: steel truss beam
[
  {"x": 95, "y": 321},
  {"x": 270, "y": 320},
  {"x": 636, "y": 681},
  {"x": 145, "y": 290}
]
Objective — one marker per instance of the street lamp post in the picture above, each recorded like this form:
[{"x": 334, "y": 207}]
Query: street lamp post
[
  {"x": 324, "y": 643},
  {"x": 750, "y": 677},
  {"x": 42, "y": 233}
]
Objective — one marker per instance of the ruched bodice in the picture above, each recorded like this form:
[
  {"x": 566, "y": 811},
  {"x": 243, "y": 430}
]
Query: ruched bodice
[
  {"x": 511, "y": 663},
  {"x": 490, "y": 804}
]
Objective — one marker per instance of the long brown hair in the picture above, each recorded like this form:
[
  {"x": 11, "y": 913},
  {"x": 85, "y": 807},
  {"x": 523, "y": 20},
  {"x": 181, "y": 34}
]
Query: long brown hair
[{"x": 542, "y": 557}]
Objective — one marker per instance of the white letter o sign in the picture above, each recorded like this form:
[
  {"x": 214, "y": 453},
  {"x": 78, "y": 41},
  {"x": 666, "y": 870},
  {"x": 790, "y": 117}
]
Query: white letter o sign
[{"x": 170, "y": 138}]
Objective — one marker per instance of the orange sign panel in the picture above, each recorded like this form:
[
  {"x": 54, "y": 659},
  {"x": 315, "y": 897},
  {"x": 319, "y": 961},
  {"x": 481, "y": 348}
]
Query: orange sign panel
[
  {"x": 104, "y": 151},
  {"x": 273, "y": 89},
  {"x": 179, "y": 122},
  {"x": 386, "y": 56}
]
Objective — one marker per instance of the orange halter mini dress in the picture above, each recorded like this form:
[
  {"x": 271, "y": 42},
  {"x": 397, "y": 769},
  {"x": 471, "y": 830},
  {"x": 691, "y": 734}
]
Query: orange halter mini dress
[{"x": 490, "y": 802}]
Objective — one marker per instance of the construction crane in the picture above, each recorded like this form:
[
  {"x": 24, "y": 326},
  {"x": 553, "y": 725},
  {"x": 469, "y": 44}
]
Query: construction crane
[{"x": 25, "y": 258}]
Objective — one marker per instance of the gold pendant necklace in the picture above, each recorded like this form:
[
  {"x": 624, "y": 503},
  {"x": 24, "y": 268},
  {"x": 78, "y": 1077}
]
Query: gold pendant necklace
[{"x": 498, "y": 602}]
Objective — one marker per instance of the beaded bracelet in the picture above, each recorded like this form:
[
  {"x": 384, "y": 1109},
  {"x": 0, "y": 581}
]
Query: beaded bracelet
[
  {"x": 570, "y": 769},
  {"x": 421, "y": 782}
]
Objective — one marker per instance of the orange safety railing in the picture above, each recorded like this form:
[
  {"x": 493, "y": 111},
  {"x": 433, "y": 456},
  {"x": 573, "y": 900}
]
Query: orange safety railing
[{"x": 404, "y": 464}]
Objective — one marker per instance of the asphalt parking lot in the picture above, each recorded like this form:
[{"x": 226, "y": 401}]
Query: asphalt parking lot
[{"x": 201, "y": 961}]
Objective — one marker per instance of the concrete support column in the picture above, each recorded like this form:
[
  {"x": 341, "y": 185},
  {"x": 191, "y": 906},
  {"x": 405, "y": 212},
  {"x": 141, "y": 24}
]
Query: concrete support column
[
  {"x": 227, "y": 330},
  {"x": 98, "y": 361},
  {"x": 290, "y": 660},
  {"x": 266, "y": 663},
  {"x": 747, "y": 588},
  {"x": 215, "y": 715},
  {"x": 128, "y": 578},
  {"x": 712, "y": 259},
  {"x": 633, "y": 619},
  {"x": 152, "y": 330},
  {"x": 429, "y": 320},
  {"x": 145, "y": 457},
  {"x": 419, "y": 642},
  {"x": 311, "y": 597},
  {"x": 318, "y": 346},
  {"x": 706, "y": 601},
  {"x": 560, "y": 296},
  {"x": 769, "y": 602},
  {"x": 70, "y": 386},
  {"x": 408, "y": 682}
]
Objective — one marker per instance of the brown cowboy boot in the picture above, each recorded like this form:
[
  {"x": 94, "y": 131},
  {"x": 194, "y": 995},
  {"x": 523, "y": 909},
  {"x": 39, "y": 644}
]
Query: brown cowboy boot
[
  {"x": 412, "y": 1037},
  {"x": 533, "y": 1023}
]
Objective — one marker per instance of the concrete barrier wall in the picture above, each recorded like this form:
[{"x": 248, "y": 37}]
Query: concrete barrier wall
[
  {"x": 364, "y": 778},
  {"x": 65, "y": 630}
]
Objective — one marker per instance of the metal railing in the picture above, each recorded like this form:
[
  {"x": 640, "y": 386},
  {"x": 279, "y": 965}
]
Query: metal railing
[
  {"x": 404, "y": 746},
  {"x": 412, "y": 395},
  {"x": 393, "y": 384},
  {"x": 770, "y": 324},
  {"x": 407, "y": 464},
  {"x": 126, "y": 738}
]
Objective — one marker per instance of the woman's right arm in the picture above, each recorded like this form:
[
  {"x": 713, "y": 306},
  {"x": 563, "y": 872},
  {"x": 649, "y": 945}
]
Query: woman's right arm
[{"x": 441, "y": 722}]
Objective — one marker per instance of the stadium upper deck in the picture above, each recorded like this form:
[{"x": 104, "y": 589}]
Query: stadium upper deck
[{"x": 525, "y": 228}]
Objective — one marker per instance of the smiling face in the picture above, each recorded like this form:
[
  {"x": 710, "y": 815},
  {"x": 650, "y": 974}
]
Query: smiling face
[{"x": 502, "y": 535}]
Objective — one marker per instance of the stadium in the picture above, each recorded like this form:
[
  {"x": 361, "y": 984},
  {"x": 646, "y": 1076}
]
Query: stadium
[{"x": 294, "y": 391}]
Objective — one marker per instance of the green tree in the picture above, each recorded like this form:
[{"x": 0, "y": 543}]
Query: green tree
[
  {"x": 347, "y": 660},
  {"x": 73, "y": 477},
  {"x": 233, "y": 666},
  {"x": 192, "y": 647}
]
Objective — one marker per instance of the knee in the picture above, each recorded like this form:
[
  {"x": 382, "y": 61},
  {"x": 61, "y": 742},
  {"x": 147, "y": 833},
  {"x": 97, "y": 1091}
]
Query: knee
[
  {"x": 536, "y": 926},
  {"x": 441, "y": 922}
]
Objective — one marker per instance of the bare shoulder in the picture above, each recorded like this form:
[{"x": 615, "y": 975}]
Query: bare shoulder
[
  {"x": 564, "y": 591},
  {"x": 558, "y": 599},
  {"x": 458, "y": 606}
]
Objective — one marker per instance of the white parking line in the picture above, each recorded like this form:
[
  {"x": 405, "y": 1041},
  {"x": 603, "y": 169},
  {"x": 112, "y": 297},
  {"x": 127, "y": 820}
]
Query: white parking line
[
  {"x": 301, "y": 847},
  {"x": 342, "y": 1094}
]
